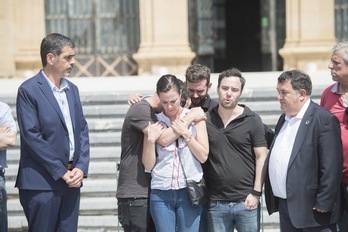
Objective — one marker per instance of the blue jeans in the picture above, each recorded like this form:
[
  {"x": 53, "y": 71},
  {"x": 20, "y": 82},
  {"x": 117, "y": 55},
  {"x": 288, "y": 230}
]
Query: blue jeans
[
  {"x": 172, "y": 211},
  {"x": 225, "y": 216},
  {"x": 3, "y": 203}
]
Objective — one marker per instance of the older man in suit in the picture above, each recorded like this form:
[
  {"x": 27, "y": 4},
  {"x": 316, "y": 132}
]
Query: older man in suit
[
  {"x": 54, "y": 141},
  {"x": 304, "y": 166}
]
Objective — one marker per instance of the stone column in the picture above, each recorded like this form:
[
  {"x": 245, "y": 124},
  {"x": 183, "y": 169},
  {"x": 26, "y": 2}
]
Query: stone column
[
  {"x": 28, "y": 30},
  {"x": 310, "y": 34},
  {"x": 164, "y": 46},
  {"x": 7, "y": 66}
]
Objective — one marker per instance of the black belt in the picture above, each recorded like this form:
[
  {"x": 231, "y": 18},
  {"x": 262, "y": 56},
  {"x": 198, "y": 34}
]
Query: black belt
[
  {"x": 70, "y": 167},
  {"x": 130, "y": 199},
  {"x": 225, "y": 202}
]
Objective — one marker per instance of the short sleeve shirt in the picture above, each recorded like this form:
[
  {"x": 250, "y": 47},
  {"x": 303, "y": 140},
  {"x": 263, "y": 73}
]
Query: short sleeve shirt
[
  {"x": 208, "y": 104},
  {"x": 167, "y": 173},
  {"x": 331, "y": 100},
  {"x": 133, "y": 181},
  {"x": 230, "y": 169}
]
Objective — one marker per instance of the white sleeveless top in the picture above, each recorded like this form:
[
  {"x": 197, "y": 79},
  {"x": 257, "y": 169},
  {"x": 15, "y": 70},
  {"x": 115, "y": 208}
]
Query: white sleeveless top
[{"x": 167, "y": 173}]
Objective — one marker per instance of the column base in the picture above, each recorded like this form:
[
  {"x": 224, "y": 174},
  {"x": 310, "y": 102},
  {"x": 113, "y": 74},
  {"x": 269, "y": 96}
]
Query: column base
[
  {"x": 163, "y": 61},
  {"x": 27, "y": 62},
  {"x": 309, "y": 59}
]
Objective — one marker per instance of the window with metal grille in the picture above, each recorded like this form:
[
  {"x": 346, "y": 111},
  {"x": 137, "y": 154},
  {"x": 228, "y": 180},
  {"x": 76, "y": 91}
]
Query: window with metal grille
[
  {"x": 105, "y": 32},
  {"x": 341, "y": 20}
]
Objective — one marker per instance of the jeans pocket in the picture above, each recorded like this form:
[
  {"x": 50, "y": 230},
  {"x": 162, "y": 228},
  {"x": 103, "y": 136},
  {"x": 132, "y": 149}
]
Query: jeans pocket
[
  {"x": 212, "y": 205},
  {"x": 138, "y": 203}
]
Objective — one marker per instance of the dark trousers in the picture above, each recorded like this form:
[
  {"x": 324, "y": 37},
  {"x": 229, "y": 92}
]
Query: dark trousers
[
  {"x": 287, "y": 226},
  {"x": 134, "y": 215},
  {"x": 203, "y": 226},
  {"x": 3, "y": 202},
  {"x": 343, "y": 225},
  {"x": 55, "y": 211}
]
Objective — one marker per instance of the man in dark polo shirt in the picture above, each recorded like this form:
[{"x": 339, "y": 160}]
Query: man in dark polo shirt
[{"x": 238, "y": 149}]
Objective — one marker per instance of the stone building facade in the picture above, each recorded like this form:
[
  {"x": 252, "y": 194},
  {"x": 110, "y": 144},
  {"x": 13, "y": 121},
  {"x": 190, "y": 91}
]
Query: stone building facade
[{"x": 155, "y": 36}]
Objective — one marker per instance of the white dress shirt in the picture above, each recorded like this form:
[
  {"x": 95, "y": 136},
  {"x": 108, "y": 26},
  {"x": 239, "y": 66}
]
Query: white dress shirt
[
  {"x": 281, "y": 152},
  {"x": 60, "y": 95}
]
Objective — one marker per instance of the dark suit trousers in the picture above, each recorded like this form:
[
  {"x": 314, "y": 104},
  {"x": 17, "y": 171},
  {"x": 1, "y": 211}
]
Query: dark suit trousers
[
  {"x": 343, "y": 225},
  {"x": 286, "y": 225},
  {"x": 55, "y": 211}
]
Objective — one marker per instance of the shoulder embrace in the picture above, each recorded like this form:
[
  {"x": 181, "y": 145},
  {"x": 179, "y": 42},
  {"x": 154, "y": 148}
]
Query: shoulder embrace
[{"x": 325, "y": 114}]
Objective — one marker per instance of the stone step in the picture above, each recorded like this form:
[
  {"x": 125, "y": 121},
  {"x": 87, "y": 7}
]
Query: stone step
[
  {"x": 96, "y": 138},
  {"x": 94, "y": 109},
  {"x": 98, "y": 111},
  {"x": 110, "y": 223},
  {"x": 88, "y": 206},
  {"x": 100, "y": 153},
  {"x": 104, "y": 124},
  {"x": 99, "y": 169},
  {"x": 269, "y": 107},
  {"x": 91, "y": 188},
  {"x": 98, "y": 206},
  {"x": 103, "y": 223},
  {"x": 269, "y": 120},
  {"x": 105, "y": 138},
  {"x": 109, "y": 97},
  {"x": 95, "y": 223}
]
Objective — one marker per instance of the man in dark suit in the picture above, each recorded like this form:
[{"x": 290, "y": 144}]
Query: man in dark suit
[
  {"x": 304, "y": 166},
  {"x": 54, "y": 141}
]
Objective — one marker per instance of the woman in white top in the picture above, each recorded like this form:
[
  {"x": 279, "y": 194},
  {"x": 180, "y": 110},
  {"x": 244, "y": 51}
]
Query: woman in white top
[{"x": 170, "y": 206}]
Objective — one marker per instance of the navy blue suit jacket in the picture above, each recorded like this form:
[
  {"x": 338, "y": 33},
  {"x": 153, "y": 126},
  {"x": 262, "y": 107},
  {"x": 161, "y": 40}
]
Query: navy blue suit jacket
[
  {"x": 314, "y": 170},
  {"x": 44, "y": 136}
]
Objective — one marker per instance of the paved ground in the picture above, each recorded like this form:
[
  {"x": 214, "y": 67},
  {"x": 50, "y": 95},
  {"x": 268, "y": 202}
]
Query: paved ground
[{"x": 148, "y": 83}]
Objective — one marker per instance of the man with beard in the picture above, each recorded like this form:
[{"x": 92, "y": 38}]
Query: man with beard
[
  {"x": 238, "y": 150},
  {"x": 197, "y": 83}
]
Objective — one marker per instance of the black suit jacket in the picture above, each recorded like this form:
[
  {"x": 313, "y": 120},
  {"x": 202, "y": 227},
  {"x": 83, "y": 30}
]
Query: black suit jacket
[{"x": 314, "y": 170}]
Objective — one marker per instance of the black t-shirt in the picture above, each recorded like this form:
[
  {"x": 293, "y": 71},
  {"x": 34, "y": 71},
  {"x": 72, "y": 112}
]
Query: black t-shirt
[
  {"x": 133, "y": 181},
  {"x": 230, "y": 168},
  {"x": 208, "y": 104}
]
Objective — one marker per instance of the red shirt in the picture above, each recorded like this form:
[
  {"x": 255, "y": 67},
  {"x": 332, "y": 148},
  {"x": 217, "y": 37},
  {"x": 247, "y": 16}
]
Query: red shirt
[{"x": 331, "y": 100}]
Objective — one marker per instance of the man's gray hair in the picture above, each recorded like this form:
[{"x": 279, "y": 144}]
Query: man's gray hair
[{"x": 342, "y": 45}]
